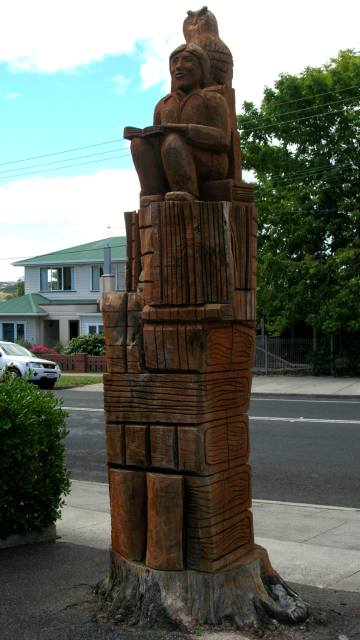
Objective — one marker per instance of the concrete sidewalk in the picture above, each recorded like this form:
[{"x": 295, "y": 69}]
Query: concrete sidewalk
[
  {"x": 307, "y": 544},
  {"x": 289, "y": 385},
  {"x": 306, "y": 385}
]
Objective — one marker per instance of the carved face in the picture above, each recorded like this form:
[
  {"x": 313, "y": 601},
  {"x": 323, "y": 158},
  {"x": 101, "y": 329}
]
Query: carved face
[{"x": 186, "y": 72}]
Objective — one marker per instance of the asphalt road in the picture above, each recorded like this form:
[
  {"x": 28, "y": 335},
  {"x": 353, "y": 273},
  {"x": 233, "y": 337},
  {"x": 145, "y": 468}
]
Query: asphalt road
[{"x": 303, "y": 450}]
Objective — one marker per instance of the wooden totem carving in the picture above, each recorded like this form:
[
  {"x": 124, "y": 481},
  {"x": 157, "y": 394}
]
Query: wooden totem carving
[{"x": 180, "y": 341}]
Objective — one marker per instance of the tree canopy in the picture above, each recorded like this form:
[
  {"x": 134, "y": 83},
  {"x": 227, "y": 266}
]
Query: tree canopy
[{"x": 303, "y": 145}]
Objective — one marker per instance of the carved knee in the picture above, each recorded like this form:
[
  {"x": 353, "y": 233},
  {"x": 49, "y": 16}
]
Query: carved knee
[
  {"x": 138, "y": 146},
  {"x": 172, "y": 145}
]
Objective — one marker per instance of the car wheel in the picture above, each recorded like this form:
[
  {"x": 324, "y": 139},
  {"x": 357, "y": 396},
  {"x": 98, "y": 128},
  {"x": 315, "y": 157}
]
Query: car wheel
[
  {"x": 47, "y": 384},
  {"x": 14, "y": 372}
]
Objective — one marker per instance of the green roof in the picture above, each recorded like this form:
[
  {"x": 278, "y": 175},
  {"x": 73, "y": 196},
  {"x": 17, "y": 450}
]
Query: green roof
[
  {"x": 24, "y": 305},
  {"x": 89, "y": 252},
  {"x": 75, "y": 301}
]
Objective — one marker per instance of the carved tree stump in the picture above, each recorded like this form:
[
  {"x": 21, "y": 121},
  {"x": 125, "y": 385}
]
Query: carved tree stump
[
  {"x": 180, "y": 345},
  {"x": 241, "y": 596}
]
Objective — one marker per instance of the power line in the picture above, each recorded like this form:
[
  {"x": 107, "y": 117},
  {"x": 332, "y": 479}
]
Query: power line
[
  {"x": 323, "y": 93},
  {"x": 311, "y": 171},
  {"x": 124, "y": 244},
  {"x": 78, "y": 164},
  {"x": 281, "y": 123},
  {"x": 55, "y": 153},
  {"x": 98, "y": 144},
  {"x": 326, "y": 104},
  {"x": 46, "y": 164}
]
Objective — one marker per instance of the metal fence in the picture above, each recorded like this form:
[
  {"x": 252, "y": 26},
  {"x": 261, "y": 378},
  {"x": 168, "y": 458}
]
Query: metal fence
[
  {"x": 283, "y": 354},
  {"x": 332, "y": 355}
]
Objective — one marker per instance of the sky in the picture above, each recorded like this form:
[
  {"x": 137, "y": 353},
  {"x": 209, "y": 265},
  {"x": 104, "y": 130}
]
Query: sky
[{"x": 73, "y": 73}]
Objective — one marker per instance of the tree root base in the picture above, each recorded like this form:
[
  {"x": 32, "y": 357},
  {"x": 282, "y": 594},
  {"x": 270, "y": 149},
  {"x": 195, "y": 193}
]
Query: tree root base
[{"x": 244, "y": 596}]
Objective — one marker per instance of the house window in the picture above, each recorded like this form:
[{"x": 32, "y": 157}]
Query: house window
[
  {"x": 12, "y": 331},
  {"x": 96, "y": 272},
  {"x": 118, "y": 270},
  {"x": 57, "y": 279},
  {"x": 95, "y": 328}
]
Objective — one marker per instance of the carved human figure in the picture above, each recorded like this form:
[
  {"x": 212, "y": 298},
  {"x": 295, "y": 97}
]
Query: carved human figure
[
  {"x": 179, "y": 345},
  {"x": 190, "y": 138}
]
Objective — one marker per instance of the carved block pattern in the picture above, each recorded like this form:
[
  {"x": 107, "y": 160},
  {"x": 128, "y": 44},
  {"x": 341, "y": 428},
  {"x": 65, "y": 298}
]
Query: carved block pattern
[
  {"x": 216, "y": 523},
  {"x": 115, "y": 443},
  {"x": 163, "y": 446},
  {"x": 165, "y": 522},
  {"x": 204, "y": 449},
  {"x": 185, "y": 398},
  {"x": 136, "y": 445},
  {"x": 190, "y": 243},
  {"x": 180, "y": 345},
  {"x": 128, "y": 506},
  {"x": 244, "y": 229},
  {"x": 133, "y": 249}
]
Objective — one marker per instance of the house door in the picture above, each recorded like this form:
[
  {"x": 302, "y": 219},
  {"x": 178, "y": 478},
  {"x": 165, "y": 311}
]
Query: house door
[
  {"x": 73, "y": 328},
  {"x": 51, "y": 332}
]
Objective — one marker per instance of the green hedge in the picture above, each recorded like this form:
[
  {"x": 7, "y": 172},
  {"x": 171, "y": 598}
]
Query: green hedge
[
  {"x": 33, "y": 477},
  {"x": 93, "y": 344}
]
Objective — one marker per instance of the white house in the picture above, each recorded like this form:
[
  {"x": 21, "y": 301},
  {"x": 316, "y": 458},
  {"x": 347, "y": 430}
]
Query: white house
[{"x": 61, "y": 298}]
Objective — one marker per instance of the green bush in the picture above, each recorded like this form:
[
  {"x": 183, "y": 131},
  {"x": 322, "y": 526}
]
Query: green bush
[
  {"x": 93, "y": 344},
  {"x": 33, "y": 477}
]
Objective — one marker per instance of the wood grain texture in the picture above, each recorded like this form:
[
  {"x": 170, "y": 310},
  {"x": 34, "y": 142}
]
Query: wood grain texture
[
  {"x": 136, "y": 444},
  {"x": 244, "y": 305},
  {"x": 191, "y": 260},
  {"x": 128, "y": 513},
  {"x": 243, "y": 222},
  {"x": 180, "y": 345},
  {"x": 213, "y": 446},
  {"x": 114, "y": 308},
  {"x": 180, "y": 351},
  {"x": 181, "y": 398},
  {"x": 134, "y": 339},
  {"x": 165, "y": 522},
  {"x": 220, "y": 547},
  {"x": 211, "y": 312},
  {"x": 204, "y": 449},
  {"x": 210, "y": 499},
  {"x": 218, "y": 521},
  {"x": 115, "y": 443},
  {"x": 163, "y": 446},
  {"x": 133, "y": 250}
]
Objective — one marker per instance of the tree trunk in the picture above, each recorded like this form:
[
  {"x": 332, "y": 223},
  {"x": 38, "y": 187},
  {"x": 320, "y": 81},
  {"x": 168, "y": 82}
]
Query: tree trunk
[{"x": 241, "y": 597}]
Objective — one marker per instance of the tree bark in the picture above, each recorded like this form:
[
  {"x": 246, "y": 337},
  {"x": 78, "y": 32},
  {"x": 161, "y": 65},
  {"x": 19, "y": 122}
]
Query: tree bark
[{"x": 241, "y": 597}]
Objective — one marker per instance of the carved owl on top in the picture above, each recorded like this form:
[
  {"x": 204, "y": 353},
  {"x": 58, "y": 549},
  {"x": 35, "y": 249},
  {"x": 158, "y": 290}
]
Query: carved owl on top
[{"x": 200, "y": 27}]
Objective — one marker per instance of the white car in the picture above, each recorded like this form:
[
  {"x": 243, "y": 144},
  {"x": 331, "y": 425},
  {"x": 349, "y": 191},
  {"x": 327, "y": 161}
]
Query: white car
[{"x": 20, "y": 362}]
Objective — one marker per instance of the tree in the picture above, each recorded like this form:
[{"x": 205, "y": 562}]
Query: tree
[
  {"x": 20, "y": 287},
  {"x": 303, "y": 145},
  {"x": 13, "y": 289}
]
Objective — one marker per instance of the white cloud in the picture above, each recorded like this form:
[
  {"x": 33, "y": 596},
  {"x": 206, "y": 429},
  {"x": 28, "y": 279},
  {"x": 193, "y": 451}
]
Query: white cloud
[
  {"x": 12, "y": 95},
  {"x": 54, "y": 213},
  {"x": 62, "y": 35},
  {"x": 121, "y": 83},
  {"x": 265, "y": 38}
]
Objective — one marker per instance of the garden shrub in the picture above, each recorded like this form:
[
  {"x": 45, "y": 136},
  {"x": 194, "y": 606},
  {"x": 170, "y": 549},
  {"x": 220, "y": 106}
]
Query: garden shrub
[
  {"x": 92, "y": 344},
  {"x": 40, "y": 350},
  {"x": 33, "y": 476}
]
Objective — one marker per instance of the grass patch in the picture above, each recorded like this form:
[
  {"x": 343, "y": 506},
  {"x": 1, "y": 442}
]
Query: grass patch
[{"x": 68, "y": 380}]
